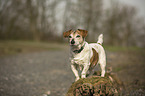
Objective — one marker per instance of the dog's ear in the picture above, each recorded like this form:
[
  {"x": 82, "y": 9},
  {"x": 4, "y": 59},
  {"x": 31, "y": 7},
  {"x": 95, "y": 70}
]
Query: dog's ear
[
  {"x": 84, "y": 33},
  {"x": 67, "y": 33}
]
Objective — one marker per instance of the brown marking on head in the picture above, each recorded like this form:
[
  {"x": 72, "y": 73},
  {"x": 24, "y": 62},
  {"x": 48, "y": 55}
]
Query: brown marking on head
[
  {"x": 82, "y": 32},
  {"x": 76, "y": 38},
  {"x": 94, "y": 59},
  {"x": 67, "y": 33}
]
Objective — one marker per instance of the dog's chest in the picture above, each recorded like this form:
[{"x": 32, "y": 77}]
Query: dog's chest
[{"x": 81, "y": 58}]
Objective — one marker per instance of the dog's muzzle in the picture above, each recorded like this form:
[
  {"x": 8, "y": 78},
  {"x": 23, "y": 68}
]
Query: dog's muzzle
[{"x": 72, "y": 41}]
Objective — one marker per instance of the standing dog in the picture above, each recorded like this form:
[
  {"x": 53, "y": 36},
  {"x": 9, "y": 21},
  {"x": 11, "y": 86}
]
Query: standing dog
[{"x": 83, "y": 55}]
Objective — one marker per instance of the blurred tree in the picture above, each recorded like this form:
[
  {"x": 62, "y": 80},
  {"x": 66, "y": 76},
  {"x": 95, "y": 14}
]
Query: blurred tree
[
  {"x": 41, "y": 20},
  {"x": 85, "y": 14},
  {"x": 120, "y": 24},
  {"x": 32, "y": 16}
]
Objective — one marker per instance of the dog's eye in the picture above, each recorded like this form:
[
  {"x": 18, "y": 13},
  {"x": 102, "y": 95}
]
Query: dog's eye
[
  {"x": 69, "y": 37},
  {"x": 78, "y": 36}
]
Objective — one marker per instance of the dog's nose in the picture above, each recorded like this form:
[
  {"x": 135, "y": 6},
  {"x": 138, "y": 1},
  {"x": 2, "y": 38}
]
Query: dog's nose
[{"x": 72, "y": 41}]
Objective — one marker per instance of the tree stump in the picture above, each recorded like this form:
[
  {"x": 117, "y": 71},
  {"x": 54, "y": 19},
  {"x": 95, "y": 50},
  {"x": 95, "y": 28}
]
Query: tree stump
[{"x": 95, "y": 85}]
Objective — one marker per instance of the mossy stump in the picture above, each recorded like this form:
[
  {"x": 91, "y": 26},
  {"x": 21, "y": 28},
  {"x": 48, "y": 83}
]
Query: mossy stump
[{"x": 95, "y": 85}]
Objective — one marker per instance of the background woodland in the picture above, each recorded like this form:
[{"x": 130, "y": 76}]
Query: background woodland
[{"x": 45, "y": 20}]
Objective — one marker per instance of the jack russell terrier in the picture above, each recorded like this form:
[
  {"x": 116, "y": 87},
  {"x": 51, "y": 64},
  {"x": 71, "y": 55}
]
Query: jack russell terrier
[{"x": 83, "y": 55}]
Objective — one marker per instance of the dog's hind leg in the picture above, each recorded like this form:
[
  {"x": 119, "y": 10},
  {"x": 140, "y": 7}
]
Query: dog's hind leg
[
  {"x": 102, "y": 70},
  {"x": 102, "y": 65},
  {"x": 102, "y": 62}
]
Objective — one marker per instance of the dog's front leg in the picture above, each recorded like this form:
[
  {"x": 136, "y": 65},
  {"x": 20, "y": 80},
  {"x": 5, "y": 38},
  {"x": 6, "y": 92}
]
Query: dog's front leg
[
  {"x": 85, "y": 69},
  {"x": 75, "y": 71}
]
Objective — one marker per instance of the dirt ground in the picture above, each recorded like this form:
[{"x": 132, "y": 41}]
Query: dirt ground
[
  {"x": 34, "y": 74},
  {"x": 130, "y": 68}
]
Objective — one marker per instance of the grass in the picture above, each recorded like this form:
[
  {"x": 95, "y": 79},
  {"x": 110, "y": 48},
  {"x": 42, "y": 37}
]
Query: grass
[
  {"x": 10, "y": 47},
  {"x": 117, "y": 69},
  {"x": 120, "y": 48}
]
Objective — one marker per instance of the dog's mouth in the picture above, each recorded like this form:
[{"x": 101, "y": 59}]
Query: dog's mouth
[
  {"x": 72, "y": 44},
  {"x": 78, "y": 48}
]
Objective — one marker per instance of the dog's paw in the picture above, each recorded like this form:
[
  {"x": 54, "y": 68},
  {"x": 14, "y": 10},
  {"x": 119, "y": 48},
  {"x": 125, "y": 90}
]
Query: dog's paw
[
  {"x": 83, "y": 76},
  {"x": 103, "y": 75},
  {"x": 77, "y": 79}
]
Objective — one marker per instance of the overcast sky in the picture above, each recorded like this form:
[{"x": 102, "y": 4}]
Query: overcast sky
[{"x": 139, "y": 4}]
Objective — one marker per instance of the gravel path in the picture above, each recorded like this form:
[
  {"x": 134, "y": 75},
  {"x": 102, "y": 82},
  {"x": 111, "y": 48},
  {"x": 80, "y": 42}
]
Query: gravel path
[{"x": 34, "y": 74}]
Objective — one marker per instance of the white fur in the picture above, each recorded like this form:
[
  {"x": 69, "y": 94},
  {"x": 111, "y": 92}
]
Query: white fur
[
  {"x": 100, "y": 39},
  {"x": 82, "y": 59}
]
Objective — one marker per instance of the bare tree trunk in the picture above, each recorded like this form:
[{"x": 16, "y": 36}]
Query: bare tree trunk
[{"x": 33, "y": 14}]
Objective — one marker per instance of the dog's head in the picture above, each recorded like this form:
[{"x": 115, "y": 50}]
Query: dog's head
[{"x": 75, "y": 37}]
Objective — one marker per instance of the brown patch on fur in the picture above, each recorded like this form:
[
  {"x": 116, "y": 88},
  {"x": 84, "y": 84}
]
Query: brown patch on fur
[
  {"x": 82, "y": 32},
  {"x": 94, "y": 59},
  {"x": 67, "y": 33}
]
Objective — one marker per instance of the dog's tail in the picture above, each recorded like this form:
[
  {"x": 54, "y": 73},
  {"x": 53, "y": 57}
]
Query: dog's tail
[{"x": 100, "y": 39}]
